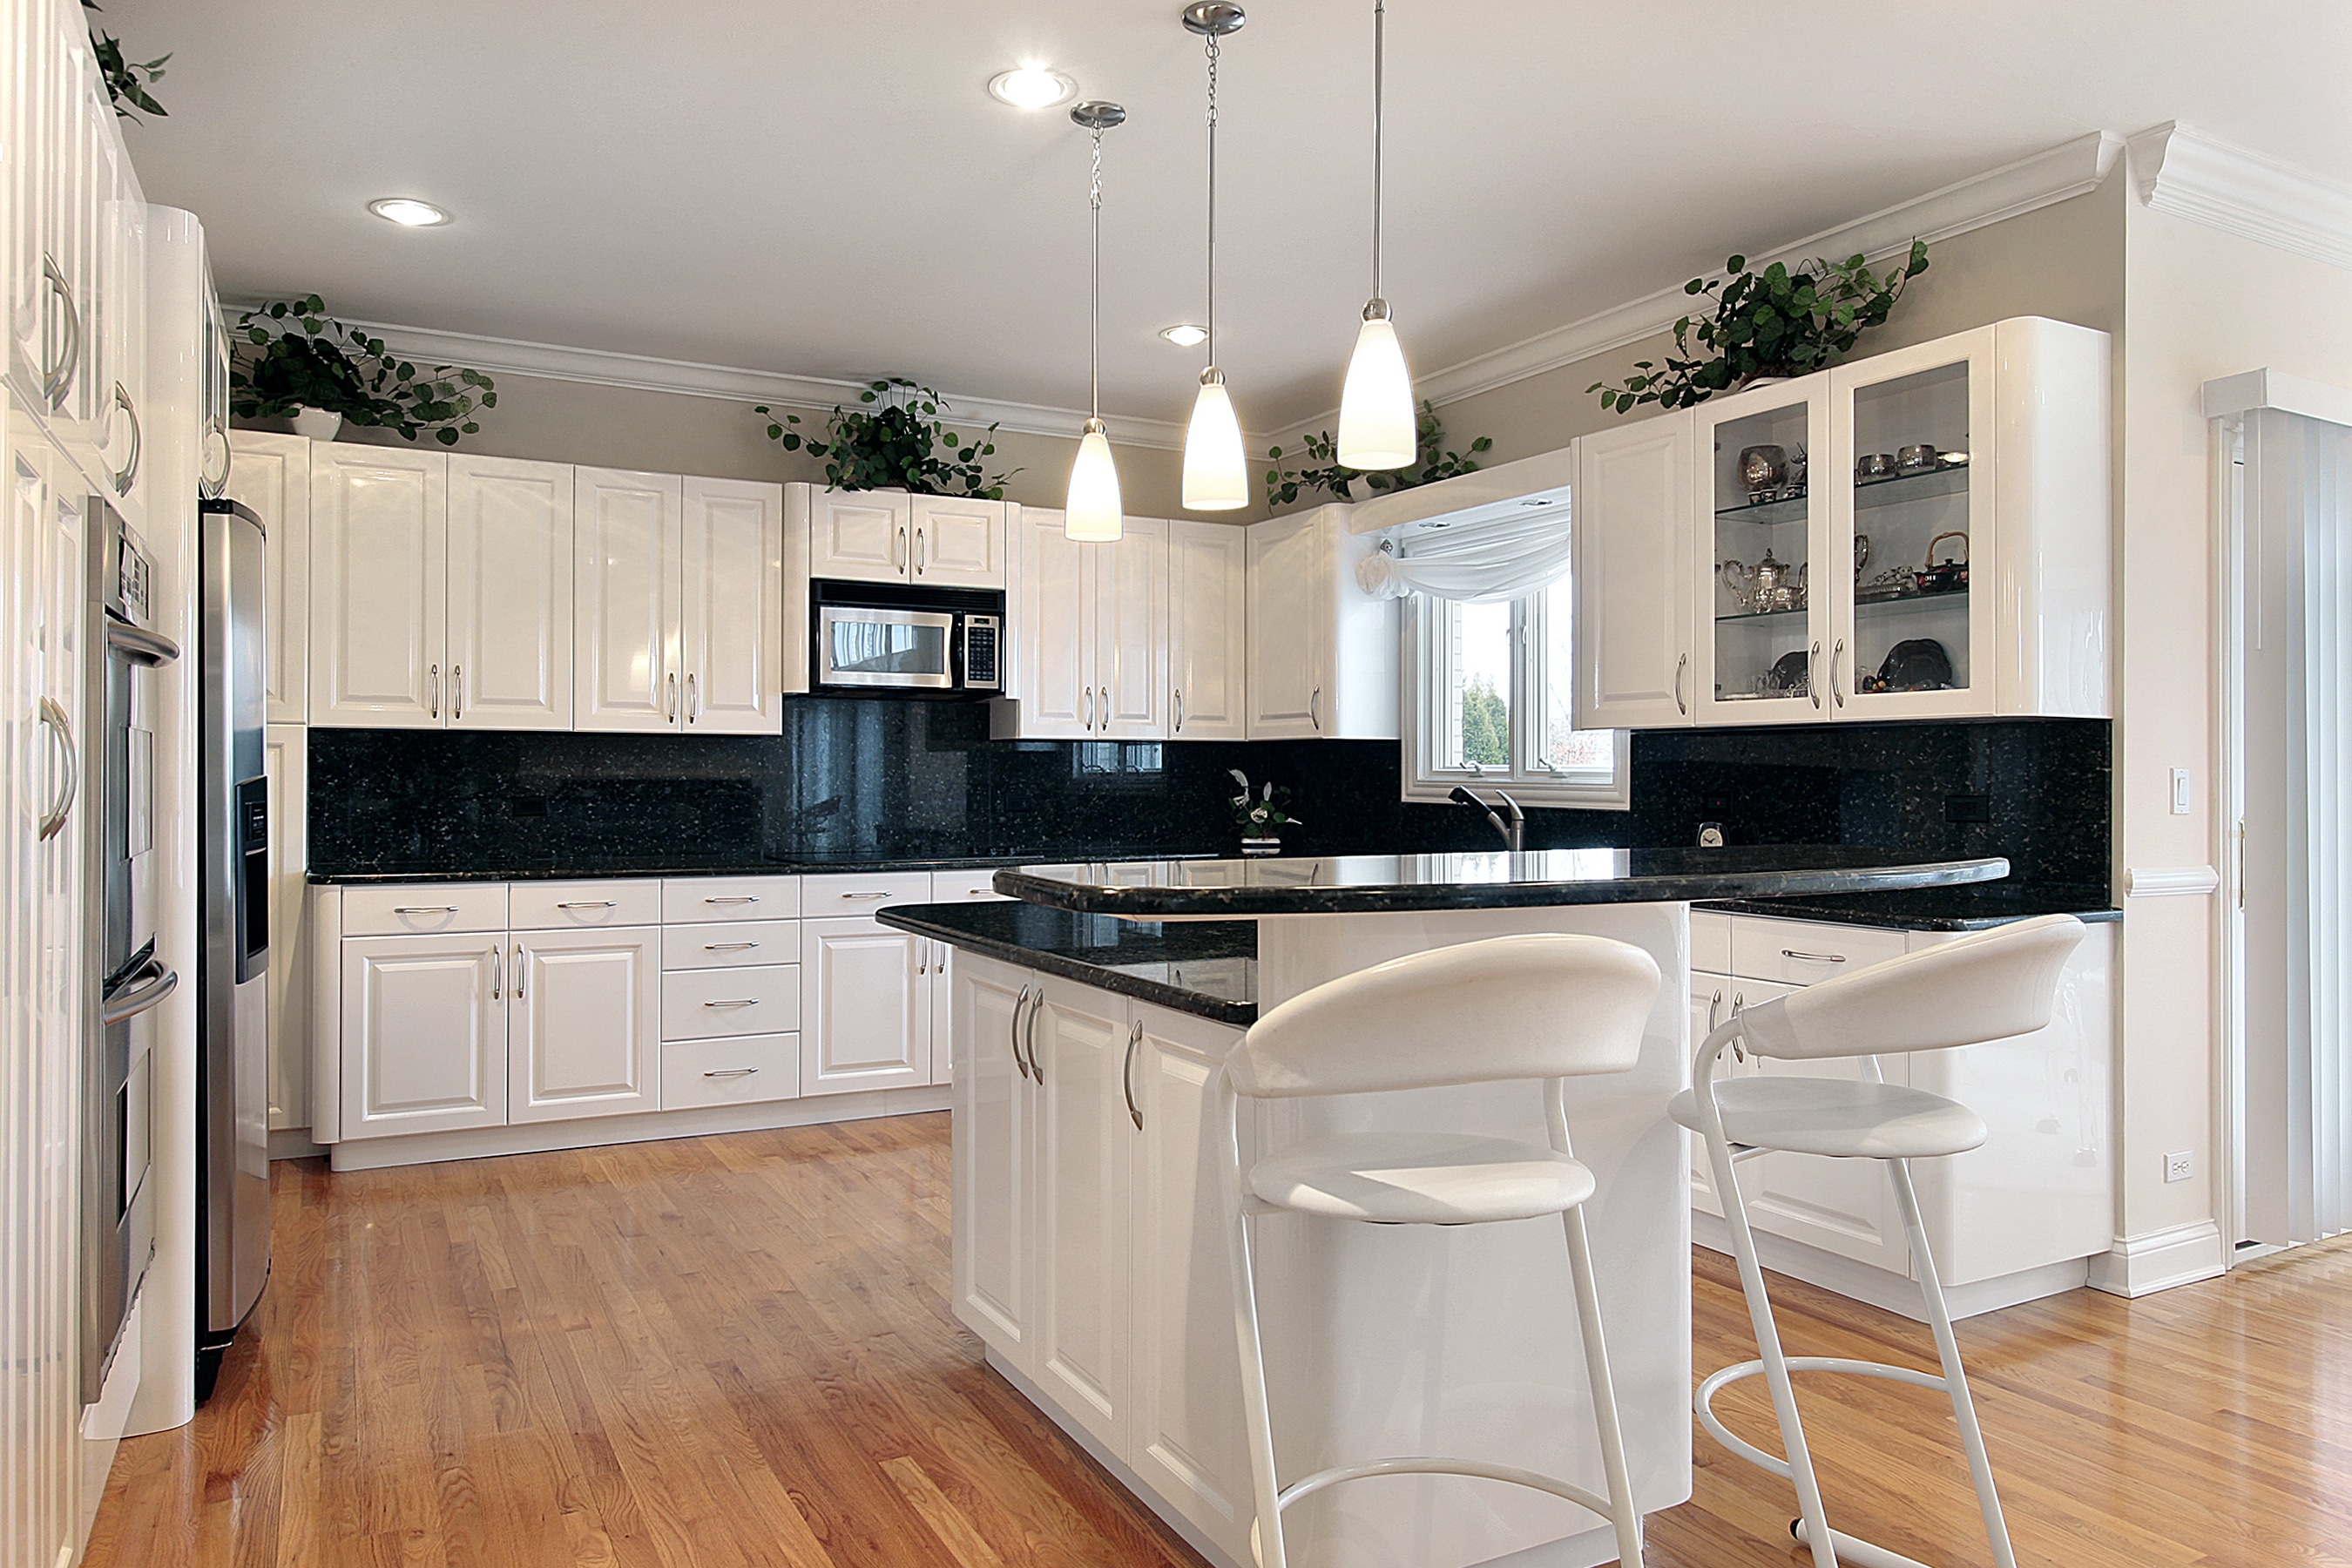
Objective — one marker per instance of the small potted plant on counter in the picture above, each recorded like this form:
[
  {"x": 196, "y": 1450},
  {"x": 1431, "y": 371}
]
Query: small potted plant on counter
[
  {"x": 297, "y": 362},
  {"x": 1261, "y": 818}
]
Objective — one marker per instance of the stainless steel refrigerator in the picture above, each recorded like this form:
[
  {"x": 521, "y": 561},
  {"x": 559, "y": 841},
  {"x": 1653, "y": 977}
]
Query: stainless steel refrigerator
[{"x": 233, "y": 958}]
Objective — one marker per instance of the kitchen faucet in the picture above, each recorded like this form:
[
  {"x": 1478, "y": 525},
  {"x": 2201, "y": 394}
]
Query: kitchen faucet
[{"x": 1514, "y": 828}]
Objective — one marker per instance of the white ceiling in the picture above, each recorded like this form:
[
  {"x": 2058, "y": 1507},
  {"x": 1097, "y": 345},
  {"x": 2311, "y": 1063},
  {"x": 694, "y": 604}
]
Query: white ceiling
[{"x": 828, "y": 191}]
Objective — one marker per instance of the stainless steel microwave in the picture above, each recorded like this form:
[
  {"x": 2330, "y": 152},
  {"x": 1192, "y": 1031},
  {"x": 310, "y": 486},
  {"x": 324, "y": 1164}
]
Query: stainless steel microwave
[{"x": 938, "y": 642}]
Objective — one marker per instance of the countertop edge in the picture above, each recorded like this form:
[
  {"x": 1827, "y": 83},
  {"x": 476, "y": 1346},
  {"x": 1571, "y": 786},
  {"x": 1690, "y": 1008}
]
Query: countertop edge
[
  {"x": 1234, "y": 1014},
  {"x": 1797, "y": 910}
]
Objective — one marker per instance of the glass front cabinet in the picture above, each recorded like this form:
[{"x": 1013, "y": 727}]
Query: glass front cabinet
[{"x": 1922, "y": 534}]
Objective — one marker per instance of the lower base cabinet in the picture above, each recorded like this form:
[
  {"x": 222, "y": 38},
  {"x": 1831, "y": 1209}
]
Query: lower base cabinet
[
  {"x": 869, "y": 1007},
  {"x": 583, "y": 1023},
  {"x": 1090, "y": 1244},
  {"x": 423, "y": 1034}
]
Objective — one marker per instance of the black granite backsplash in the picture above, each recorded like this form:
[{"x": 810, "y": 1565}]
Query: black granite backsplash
[{"x": 855, "y": 780}]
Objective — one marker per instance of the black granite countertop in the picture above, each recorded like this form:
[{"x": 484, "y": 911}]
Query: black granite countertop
[
  {"x": 1365, "y": 884},
  {"x": 1979, "y": 906},
  {"x": 583, "y": 871},
  {"x": 1208, "y": 968}
]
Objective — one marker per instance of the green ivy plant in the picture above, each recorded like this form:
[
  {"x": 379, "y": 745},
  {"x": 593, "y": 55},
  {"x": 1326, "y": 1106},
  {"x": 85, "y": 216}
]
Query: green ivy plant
[
  {"x": 127, "y": 81},
  {"x": 293, "y": 355},
  {"x": 897, "y": 441},
  {"x": 1778, "y": 322},
  {"x": 1323, "y": 472}
]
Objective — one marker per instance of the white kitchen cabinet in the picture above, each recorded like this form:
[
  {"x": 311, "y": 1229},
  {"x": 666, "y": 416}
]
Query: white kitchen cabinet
[
  {"x": 1090, "y": 628},
  {"x": 423, "y": 1034},
  {"x": 1323, "y": 654},
  {"x": 996, "y": 1182},
  {"x": 1129, "y": 613},
  {"x": 732, "y": 579},
  {"x": 379, "y": 601},
  {"x": 628, "y": 604},
  {"x": 584, "y": 1031},
  {"x": 1633, "y": 571},
  {"x": 860, "y": 536},
  {"x": 867, "y": 1008},
  {"x": 284, "y": 756},
  {"x": 1077, "y": 1040},
  {"x": 118, "y": 423},
  {"x": 960, "y": 541},
  {"x": 270, "y": 476},
  {"x": 1208, "y": 644},
  {"x": 510, "y": 556}
]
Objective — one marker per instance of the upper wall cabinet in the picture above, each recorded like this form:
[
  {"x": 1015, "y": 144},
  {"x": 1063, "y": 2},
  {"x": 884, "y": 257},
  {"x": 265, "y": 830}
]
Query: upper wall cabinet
[
  {"x": 1922, "y": 534},
  {"x": 1090, "y": 633},
  {"x": 1322, "y": 652},
  {"x": 270, "y": 476},
  {"x": 1208, "y": 600},
  {"x": 510, "y": 551},
  {"x": 882, "y": 536}
]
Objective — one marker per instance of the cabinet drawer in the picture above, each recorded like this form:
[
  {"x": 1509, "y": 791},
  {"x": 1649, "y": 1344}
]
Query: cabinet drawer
[
  {"x": 733, "y": 945},
  {"x": 737, "y": 1070},
  {"x": 1710, "y": 942},
  {"x": 1797, "y": 953},
  {"x": 703, "y": 1004},
  {"x": 963, "y": 887},
  {"x": 832, "y": 898},
  {"x": 729, "y": 898},
  {"x": 424, "y": 909},
  {"x": 566, "y": 906}
]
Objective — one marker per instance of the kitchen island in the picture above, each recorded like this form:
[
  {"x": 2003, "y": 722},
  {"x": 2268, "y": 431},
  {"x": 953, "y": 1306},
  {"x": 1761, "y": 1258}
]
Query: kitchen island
[{"x": 1090, "y": 1243}]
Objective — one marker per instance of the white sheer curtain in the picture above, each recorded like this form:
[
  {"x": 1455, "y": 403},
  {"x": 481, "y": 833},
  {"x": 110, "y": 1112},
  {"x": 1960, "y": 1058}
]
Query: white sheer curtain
[{"x": 1475, "y": 563}]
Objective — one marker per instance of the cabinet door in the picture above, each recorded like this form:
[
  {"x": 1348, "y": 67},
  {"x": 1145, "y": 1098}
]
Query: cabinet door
[
  {"x": 866, "y": 1019},
  {"x": 1053, "y": 629},
  {"x": 860, "y": 536},
  {"x": 1130, "y": 653},
  {"x": 1634, "y": 561},
  {"x": 509, "y": 594},
  {"x": 1768, "y": 576},
  {"x": 626, "y": 600},
  {"x": 1188, "y": 1443},
  {"x": 121, "y": 418},
  {"x": 733, "y": 577},
  {"x": 1709, "y": 995},
  {"x": 379, "y": 574},
  {"x": 1289, "y": 628},
  {"x": 1078, "y": 1037},
  {"x": 33, "y": 50},
  {"x": 423, "y": 1035},
  {"x": 1208, "y": 565},
  {"x": 585, "y": 1021},
  {"x": 1926, "y": 653},
  {"x": 942, "y": 971},
  {"x": 993, "y": 1269},
  {"x": 284, "y": 757},
  {"x": 958, "y": 543},
  {"x": 270, "y": 473}
]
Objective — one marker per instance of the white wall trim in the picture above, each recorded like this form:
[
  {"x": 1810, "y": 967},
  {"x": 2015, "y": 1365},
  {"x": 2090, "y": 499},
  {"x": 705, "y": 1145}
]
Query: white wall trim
[
  {"x": 2190, "y": 175},
  {"x": 2169, "y": 881},
  {"x": 2160, "y": 1259},
  {"x": 2228, "y": 396},
  {"x": 2068, "y": 170}
]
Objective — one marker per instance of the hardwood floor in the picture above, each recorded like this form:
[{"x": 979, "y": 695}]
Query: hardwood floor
[{"x": 738, "y": 1351}]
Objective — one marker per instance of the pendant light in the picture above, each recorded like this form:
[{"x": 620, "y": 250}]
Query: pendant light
[
  {"x": 1377, "y": 427},
  {"x": 1216, "y": 471},
  {"x": 1092, "y": 512}
]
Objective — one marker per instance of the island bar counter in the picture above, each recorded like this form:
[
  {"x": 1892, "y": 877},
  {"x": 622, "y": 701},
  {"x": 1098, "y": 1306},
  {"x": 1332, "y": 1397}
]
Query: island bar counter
[{"x": 1381, "y": 1340}]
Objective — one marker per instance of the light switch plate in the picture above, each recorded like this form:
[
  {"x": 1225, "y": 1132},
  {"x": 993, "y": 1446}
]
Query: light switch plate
[{"x": 2181, "y": 792}]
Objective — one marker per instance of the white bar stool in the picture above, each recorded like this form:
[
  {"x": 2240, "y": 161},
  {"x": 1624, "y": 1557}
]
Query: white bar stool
[
  {"x": 1984, "y": 987},
  {"x": 1536, "y": 1006}
]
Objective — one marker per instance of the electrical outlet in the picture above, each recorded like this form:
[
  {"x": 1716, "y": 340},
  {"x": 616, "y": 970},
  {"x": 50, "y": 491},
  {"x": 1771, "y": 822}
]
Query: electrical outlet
[
  {"x": 2179, "y": 1167},
  {"x": 2181, "y": 792}
]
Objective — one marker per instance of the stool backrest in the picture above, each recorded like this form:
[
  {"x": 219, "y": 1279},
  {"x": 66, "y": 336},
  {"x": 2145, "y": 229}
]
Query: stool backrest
[
  {"x": 1986, "y": 986},
  {"x": 1534, "y": 1006}
]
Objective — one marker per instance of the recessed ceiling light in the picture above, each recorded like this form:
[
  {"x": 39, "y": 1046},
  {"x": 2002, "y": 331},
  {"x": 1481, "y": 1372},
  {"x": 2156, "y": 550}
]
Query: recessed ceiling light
[
  {"x": 1032, "y": 87},
  {"x": 1184, "y": 334},
  {"x": 407, "y": 212}
]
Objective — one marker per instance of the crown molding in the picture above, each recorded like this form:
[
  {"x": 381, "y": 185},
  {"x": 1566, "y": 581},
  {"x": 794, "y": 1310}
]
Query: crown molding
[
  {"x": 2068, "y": 170},
  {"x": 2190, "y": 175},
  {"x": 643, "y": 373}
]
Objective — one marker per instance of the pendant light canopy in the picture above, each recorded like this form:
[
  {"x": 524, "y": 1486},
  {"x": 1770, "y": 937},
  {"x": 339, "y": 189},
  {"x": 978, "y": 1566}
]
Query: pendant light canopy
[
  {"x": 1092, "y": 510},
  {"x": 1216, "y": 471},
  {"x": 1377, "y": 427}
]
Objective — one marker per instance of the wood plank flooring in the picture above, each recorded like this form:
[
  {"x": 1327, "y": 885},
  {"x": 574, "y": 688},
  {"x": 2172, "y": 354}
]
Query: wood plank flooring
[{"x": 735, "y": 1351}]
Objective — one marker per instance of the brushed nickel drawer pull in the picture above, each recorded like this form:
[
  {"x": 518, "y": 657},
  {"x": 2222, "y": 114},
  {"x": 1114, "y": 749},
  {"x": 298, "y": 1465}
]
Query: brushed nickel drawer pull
[
  {"x": 734, "y": 899},
  {"x": 589, "y": 904},
  {"x": 736, "y": 1002},
  {"x": 864, "y": 895},
  {"x": 728, "y": 946},
  {"x": 730, "y": 1072},
  {"x": 1814, "y": 957},
  {"x": 424, "y": 909}
]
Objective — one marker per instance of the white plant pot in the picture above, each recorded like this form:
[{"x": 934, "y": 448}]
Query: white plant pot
[{"x": 317, "y": 424}]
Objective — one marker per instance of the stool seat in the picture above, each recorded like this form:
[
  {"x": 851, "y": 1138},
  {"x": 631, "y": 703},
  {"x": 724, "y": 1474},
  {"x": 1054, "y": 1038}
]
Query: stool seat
[
  {"x": 1415, "y": 1177},
  {"x": 1844, "y": 1118}
]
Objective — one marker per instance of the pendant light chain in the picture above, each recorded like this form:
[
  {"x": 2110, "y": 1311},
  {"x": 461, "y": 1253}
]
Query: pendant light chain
[
  {"x": 1094, "y": 363},
  {"x": 1212, "y": 199},
  {"x": 1380, "y": 87}
]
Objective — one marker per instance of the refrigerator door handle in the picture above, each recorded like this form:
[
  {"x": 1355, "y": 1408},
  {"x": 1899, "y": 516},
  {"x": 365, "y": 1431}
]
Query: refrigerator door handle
[
  {"x": 146, "y": 646},
  {"x": 162, "y": 980}
]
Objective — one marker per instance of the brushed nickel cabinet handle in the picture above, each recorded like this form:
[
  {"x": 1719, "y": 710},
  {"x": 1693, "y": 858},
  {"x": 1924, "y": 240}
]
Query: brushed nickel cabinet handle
[
  {"x": 589, "y": 904},
  {"x": 669, "y": 705},
  {"x": 734, "y": 1002},
  {"x": 1814, "y": 957},
  {"x": 729, "y": 946},
  {"x": 1180, "y": 710},
  {"x": 1680, "y": 706},
  {"x": 433, "y": 701},
  {"x": 456, "y": 692},
  {"x": 733, "y": 898},
  {"x": 864, "y": 895},
  {"x": 1314, "y": 708},
  {"x": 1013, "y": 1031},
  {"x": 1836, "y": 692},
  {"x": 730, "y": 1072},
  {"x": 61, "y": 729},
  {"x": 1036, "y": 1067},
  {"x": 919, "y": 553},
  {"x": 1126, "y": 1073},
  {"x": 129, "y": 474},
  {"x": 498, "y": 971},
  {"x": 693, "y": 700},
  {"x": 424, "y": 909},
  {"x": 1813, "y": 662},
  {"x": 57, "y": 380},
  {"x": 520, "y": 972}
]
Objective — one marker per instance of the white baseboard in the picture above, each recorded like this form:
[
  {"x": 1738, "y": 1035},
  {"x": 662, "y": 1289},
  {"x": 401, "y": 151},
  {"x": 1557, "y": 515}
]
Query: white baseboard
[
  {"x": 645, "y": 1127},
  {"x": 2160, "y": 1259},
  {"x": 1896, "y": 1293}
]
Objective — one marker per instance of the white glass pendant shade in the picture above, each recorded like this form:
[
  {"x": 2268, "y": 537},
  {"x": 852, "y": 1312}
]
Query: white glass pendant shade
[
  {"x": 1376, "y": 413},
  {"x": 1216, "y": 473},
  {"x": 1091, "y": 512}
]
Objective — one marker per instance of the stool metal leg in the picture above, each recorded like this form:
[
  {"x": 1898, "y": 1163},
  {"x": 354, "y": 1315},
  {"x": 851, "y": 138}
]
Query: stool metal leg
[
  {"x": 1624, "y": 1514},
  {"x": 1265, "y": 1532}
]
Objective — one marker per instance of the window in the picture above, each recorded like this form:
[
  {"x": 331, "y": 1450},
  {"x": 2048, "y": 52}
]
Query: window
[{"x": 1489, "y": 701}]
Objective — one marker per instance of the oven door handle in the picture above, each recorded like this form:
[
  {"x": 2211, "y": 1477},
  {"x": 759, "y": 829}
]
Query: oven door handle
[
  {"x": 146, "y": 646},
  {"x": 162, "y": 980}
]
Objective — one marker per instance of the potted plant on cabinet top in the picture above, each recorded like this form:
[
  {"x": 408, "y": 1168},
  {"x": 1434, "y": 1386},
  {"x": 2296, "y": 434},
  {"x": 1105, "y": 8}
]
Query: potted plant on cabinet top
[
  {"x": 1431, "y": 463},
  {"x": 1262, "y": 819},
  {"x": 297, "y": 362},
  {"x": 1767, "y": 326},
  {"x": 900, "y": 446}
]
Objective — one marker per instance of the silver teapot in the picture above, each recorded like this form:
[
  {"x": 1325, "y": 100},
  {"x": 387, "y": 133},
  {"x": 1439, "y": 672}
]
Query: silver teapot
[{"x": 1771, "y": 584}]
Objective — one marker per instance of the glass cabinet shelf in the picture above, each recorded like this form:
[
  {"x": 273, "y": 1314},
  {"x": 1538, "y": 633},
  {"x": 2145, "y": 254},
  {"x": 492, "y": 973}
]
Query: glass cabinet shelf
[
  {"x": 1955, "y": 597},
  {"x": 1798, "y": 614},
  {"x": 1868, "y": 494}
]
